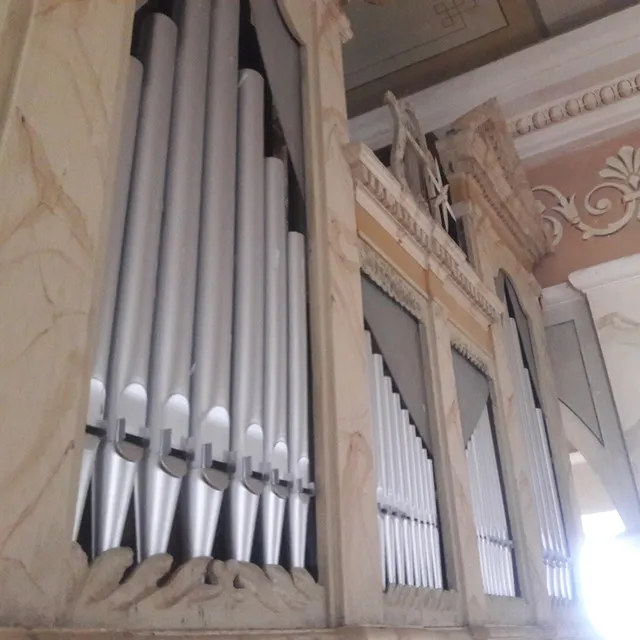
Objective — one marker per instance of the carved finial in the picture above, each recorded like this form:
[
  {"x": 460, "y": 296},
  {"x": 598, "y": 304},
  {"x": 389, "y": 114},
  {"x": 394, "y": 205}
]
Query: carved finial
[{"x": 413, "y": 165}]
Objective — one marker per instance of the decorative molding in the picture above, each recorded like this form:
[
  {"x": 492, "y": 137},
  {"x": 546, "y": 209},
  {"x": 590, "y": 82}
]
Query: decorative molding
[
  {"x": 203, "y": 593},
  {"x": 389, "y": 280},
  {"x": 478, "y": 148},
  {"x": 403, "y": 209},
  {"x": 584, "y": 60},
  {"x": 471, "y": 353},
  {"x": 622, "y": 174},
  {"x": 607, "y": 273},
  {"x": 406, "y": 606},
  {"x": 575, "y": 105}
]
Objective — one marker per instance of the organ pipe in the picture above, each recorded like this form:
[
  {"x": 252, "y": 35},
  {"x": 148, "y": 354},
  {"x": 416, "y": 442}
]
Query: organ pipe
[
  {"x": 209, "y": 420},
  {"x": 127, "y": 390},
  {"x": 160, "y": 475},
  {"x": 98, "y": 385},
  {"x": 410, "y": 541},
  {"x": 276, "y": 451},
  {"x": 298, "y": 386},
  {"x": 247, "y": 428}
]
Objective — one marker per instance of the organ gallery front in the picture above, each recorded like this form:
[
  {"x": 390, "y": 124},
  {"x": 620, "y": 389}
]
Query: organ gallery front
[{"x": 258, "y": 377}]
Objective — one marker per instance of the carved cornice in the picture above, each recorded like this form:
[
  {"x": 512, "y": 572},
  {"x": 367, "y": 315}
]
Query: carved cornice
[
  {"x": 389, "y": 280},
  {"x": 400, "y": 205},
  {"x": 478, "y": 147},
  {"x": 412, "y": 606},
  {"x": 200, "y": 594},
  {"x": 472, "y": 353},
  {"x": 575, "y": 105}
]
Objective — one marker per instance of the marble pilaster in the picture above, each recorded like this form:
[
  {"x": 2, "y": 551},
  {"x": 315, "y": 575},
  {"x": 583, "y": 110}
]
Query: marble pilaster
[{"x": 62, "y": 72}]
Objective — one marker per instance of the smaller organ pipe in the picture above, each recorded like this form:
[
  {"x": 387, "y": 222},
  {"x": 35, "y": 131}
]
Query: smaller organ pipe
[
  {"x": 298, "y": 433},
  {"x": 476, "y": 487},
  {"x": 425, "y": 516},
  {"x": 439, "y": 581},
  {"x": 160, "y": 474},
  {"x": 276, "y": 451},
  {"x": 407, "y": 432},
  {"x": 416, "y": 523},
  {"x": 109, "y": 293},
  {"x": 247, "y": 435},
  {"x": 209, "y": 424},
  {"x": 126, "y": 402},
  {"x": 385, "y": 469},
  {"x": 376, "y": 420},
  {"x": 404, "y": 484},
  {"x": 394, "y": 480}
]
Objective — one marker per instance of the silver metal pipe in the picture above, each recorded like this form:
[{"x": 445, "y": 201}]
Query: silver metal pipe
[
  {"x": 276, "y": 450},
  {"x": 303, "y": 488},
  {"x": 117, "y": 221},
  {"x": 160, "y": 474},
  {"x": 476, "y": 489},
  {"x": 407, "y": 431},
  {"x": 376, "y": 419},
  {"x": 402, "y": 489},
  {"x": 109, "y": 293},
  {"x": 385, "y": 470},
  {"x": 435, "y": 529},
  {"x": 429, "y": 509},
  {"x": 420, "y": 551},
  {"x": 425, "y": 528},
  {"x": 247, "y": 436},
  {"x": 128, "y": 372},
  {"x": 89, "y": 452},
  {"x": 400, "y": 434},
  {"x": 396, "y": 499},
  {"x": 209, "y": 427}
]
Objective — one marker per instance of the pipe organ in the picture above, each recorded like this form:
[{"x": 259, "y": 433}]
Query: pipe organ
[
  {"x": 407, "y": 509},
  {"x": 199, "y": 393},
  {"x": 557, "y": 559},
  {"x": 495, "y": 546}
]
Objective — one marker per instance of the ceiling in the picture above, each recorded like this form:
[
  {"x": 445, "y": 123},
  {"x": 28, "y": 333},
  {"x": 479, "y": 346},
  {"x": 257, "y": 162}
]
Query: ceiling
[{"x": 409, "y": 45}]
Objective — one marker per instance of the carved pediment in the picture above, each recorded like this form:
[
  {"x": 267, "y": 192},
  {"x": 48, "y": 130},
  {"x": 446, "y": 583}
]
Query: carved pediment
[{"x": 478, "y": 148}]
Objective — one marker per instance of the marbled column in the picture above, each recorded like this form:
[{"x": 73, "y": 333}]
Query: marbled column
[
  {"x": 462, "y": 556},
  {"x": 344, "y": 459},
  {"x": 613, "y": 292},
  {"x": 62, "y": 72}
]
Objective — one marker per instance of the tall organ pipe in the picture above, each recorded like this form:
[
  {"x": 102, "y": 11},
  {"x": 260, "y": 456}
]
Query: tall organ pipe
[
  {"x": 160, "y": 474},
  {"x": 298, "y": 400},
  {"x": 276, "y": 451},
  {"x": 209, "y": 421},
  {"x": 98, "y": 390},
  {"x": 126, "y": 403},
  {"x": 247, "y": 436}
]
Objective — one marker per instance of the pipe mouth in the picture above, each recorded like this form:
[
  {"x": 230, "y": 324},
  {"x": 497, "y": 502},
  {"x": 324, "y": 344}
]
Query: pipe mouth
[
  {"x": 129, "y": 451},
  {"x": 173, "y": 465}
]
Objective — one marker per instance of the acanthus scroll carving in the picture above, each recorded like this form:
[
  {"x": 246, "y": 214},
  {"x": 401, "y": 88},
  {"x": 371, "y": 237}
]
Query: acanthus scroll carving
[
  {"x": 622, "y": 175},
  {"x": 202, "y": 593}
]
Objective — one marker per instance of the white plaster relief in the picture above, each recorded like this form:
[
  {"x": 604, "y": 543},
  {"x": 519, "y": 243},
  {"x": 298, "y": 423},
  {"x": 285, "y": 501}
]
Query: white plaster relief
[{"x": 621, "y": 174}]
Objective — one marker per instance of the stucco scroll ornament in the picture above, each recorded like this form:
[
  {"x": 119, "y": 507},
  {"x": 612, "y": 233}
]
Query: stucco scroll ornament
[
  {"x": 413, "y": 165},
  {"x": 622, "y": 174}
]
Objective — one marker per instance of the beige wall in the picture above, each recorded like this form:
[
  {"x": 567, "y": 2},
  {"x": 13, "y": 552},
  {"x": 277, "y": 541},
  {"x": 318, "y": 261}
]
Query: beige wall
[{"x": 577, "y": 174}]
